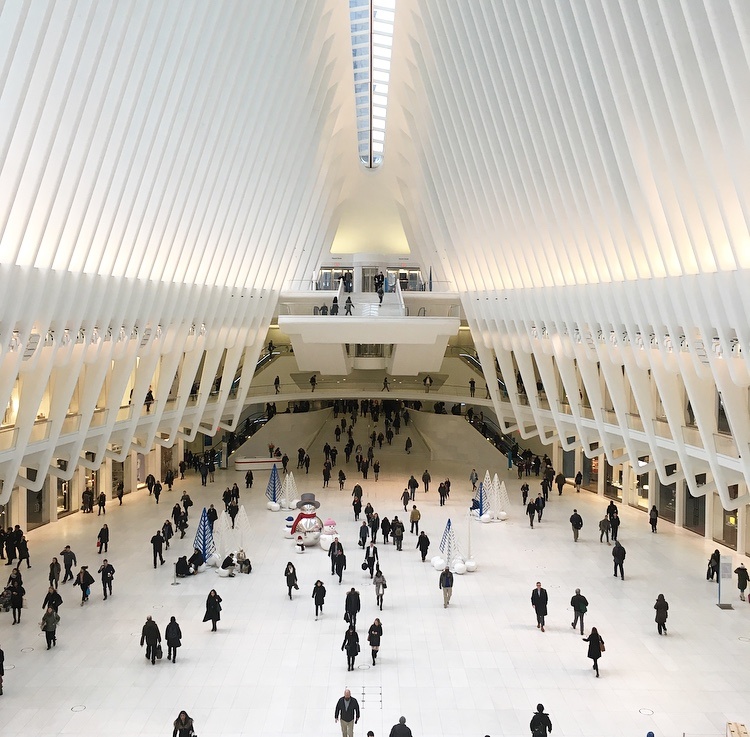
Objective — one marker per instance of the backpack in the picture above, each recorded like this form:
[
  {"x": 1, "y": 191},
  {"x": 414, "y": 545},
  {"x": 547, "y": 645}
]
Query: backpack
[{"x": 539, "y": 732}]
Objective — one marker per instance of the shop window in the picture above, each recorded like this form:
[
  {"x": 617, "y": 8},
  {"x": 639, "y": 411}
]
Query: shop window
[
  {"x": 725, "y": 524},
  {"x": 667, "y": 499},
  {"x": 613, "y": 481},
  {"x": 695, "y": 513},
  {"x": 63, "y": 491},
  {"x": 590, "y": 471},
  {"x": 37, "y": 508}
]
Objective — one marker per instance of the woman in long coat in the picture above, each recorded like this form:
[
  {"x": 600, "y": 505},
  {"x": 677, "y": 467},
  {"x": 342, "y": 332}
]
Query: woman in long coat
[
  {"x": 380, "y": 587},
  {"x": 173, "y": 636},
  {"x": 213, "y": 609},
  {"x": 662, "y": 608},
  {"x": 351, "y": 645},
  {"x": 373, "y": 637},
  {"x": 319, "y": 596},
  {"x": 290, "y": 573},
  {"x": 596, "y": 645}
]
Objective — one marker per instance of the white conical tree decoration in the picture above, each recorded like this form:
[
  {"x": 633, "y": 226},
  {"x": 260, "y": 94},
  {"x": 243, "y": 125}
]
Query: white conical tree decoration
[
  {"x": 227, "y": 537},
  {"x": 503, "y": 499},
  {"x": 449, "y": 544},
  {"x": 290, "y": 490},
  {"x": 242, "y": 527}
]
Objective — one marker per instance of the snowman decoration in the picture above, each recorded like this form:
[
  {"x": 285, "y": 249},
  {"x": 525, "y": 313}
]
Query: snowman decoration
[
  {"x": 307, "y": 524},
  {"x": 329, "y": 532}
]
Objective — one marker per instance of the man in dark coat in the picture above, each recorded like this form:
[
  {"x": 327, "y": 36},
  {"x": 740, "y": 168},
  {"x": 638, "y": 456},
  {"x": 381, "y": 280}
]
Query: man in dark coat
[
  {"x": 400, "y": 729},
  {"x": 157, "y": 543},
  {"x": 618, "y": 554},
  {"x": 352, "y": 605},
  {"x": 540, "y": 723},
  {"x": 539, "y": 602},
  {"x": 576, "y": 522},
  {"x": 69, "y": 560},
  {"x": 347, "y": 709},
  {"x": 580, "y": 606},
  {"x": 423, "y": 544},
  {"x": 334, "y": 551},
  {"x": 152, "y": 637}
]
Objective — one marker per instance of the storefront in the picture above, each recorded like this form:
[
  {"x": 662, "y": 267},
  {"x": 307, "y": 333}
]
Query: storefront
[
  {"x": 695, "y": 513},
  {"x": 666, "y": 501},
  {"x": 569, "y": 464},
  {"x": 91, "y": 477},
  {"x": 37, "y": 503},
  {"x": 590, "y": 472},
  {"x": 613, "y": 481},
  {"x": 639, "y": 496},
  {"x": 167, "y": 463},
  {"x": 725, "y": 521},
  {"x": 118, "y": 477}
]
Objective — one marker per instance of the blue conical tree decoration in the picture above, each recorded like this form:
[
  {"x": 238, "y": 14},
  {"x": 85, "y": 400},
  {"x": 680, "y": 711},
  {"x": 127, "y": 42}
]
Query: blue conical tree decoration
[
  {"x": 273, "y": 490},
  {"x": 204, "y": 538},
  {"x": 481, "y": 497}
]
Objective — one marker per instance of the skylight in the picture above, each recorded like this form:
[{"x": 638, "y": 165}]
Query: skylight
[{"x": 372, "y": 41}]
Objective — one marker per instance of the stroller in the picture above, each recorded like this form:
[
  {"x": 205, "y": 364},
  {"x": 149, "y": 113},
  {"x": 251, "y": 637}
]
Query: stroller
[{"x": 5, "y": 600}]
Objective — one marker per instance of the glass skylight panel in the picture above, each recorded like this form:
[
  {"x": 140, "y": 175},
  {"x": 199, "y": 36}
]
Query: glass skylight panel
[{"x": 372, "y": 40}]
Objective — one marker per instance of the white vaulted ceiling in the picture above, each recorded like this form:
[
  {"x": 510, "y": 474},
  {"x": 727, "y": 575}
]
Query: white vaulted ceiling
[{"x": 177, "y": 163}]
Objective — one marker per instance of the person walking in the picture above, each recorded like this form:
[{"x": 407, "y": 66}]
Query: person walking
[
  {"x": 405, "y": 499},
  {"x": 22, "y": 546},
  {"x": 249, "y": 480},
  {"x": 742, "y": 579},
  {"x": 173, "y": 636},
  {"x": 397, "y": 531},
  {"x": 539, "y": 601},
  {"x": 576, "y": 523},
  {"x": 348, "y": 307},
  {"x": 540, "y": 504},
  {"x": 52, "y": 599},
  {"x": 213, "y": 609},
  {"x": 335, "y": 549},
  {"x": 290, "y": 574},
  {"x": 380, "y": 586},
  {"x": 340, "y": 566},
  {"x": 531, "y": 512},
  {"x": 473, "y": 477},
  {"x": 596, "y": 647},
  {"x": 17, "y": 592},
  {"x": 618, "y": 555},
  {"x": 400, "y": 729},
  {"x": 472, "y": 387},
  {"x": 151, "y": 636},
  {"x": 578, "y": 481},
  {"x": 84, "y": 579},
  {"x": 2, "y": 670},
  {"x": 653, "y": 518},
  {"x": 167, "y": 531},
  {"x": 540, "y": 723},
  {"x": 374, "y": 526},
  {"x": 604, "y": 526},
  {"x": 102, "y": 539},
  {"x": 319, "y": 596},
  {"x": 614, "y": 523},
  {"x": 352, "y": 606},
  {"x": 157, "y": 545},
  {"x": 414, "y": 516},
  {"x": 351, "y": 646},
  {"x": 385, "y": 529},
  {"x": 183, "y": 726},
  {"x": 580, "y": 606},
  {"x": 50, "y": 620},
  {"x": 107, "y": 572},
  {"x": 426, "y": 478},
  {"x": 662, "y": 612},
  {"x": 347, "y": 712},
  {"x": 423, "y": 545},
  {"x": 371, "y": 557},
  {"x": 445, "y": 582},
  {"x": 386, "y": 386},
  {"x": 373, "y": 637},
  {"x": 713, "y": 566},
  {"x": 54, "y": 573},
  {"x": 69, "y": 560}
]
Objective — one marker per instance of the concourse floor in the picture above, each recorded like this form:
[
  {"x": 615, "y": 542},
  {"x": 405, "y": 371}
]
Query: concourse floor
[{"x": 476, "y": 668}]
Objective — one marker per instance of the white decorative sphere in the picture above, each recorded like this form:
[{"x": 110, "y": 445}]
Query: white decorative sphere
[
  {"x": 213, "y": 560},
  {"x": 458, "y": 567},
  {"x": 486, "y": 518},
  {"x": 273, "y": 506},
  {"x": 438, "y": 563},
  {"x": 471, "y": 565},
  {"x": 502, "y": 515}
]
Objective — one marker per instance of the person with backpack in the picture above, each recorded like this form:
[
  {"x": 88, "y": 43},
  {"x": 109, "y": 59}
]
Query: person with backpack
[{"x": 540, "y": 723}]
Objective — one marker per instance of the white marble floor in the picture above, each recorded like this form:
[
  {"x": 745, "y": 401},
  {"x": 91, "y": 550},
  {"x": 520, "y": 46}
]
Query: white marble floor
[{"x": 477, "y": 668}]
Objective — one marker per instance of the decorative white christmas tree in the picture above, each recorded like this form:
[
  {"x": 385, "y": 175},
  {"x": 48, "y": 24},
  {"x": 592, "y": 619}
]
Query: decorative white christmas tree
[
  {"x": 290, "y": 490},
  {"x": 242, "y": 526},
  {"x": 501, "y": 493}
]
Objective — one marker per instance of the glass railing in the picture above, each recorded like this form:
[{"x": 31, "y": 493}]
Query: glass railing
[{"x": 8, "y": 436}]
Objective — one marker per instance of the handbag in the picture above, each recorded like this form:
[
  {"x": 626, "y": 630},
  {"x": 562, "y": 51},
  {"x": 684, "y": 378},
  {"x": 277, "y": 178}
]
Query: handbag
[
  {"x": 347, "y": 618},
  {"x": 159, "y": 652},
  {"x": 601, "y": 645},
  {"x": 364, "y": 565}
]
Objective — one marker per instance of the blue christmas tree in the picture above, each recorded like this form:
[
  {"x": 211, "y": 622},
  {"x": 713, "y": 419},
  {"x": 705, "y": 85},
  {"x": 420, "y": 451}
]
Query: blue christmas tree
[
  {"x": 480, "y": 495},
  {"x": 273, "y": 490},
  {"x": 204, "y": 539}
]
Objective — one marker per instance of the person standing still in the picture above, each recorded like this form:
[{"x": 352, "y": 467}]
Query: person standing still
[
  {"x": 580, "y": 606},
  {"x": 742, "y": 579},
  {"x": 446, "y": 584},
  {"x": 347, "y": 712},
  {"x": 539, "y": 603},
  {"x": 213, "y": 609}
]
